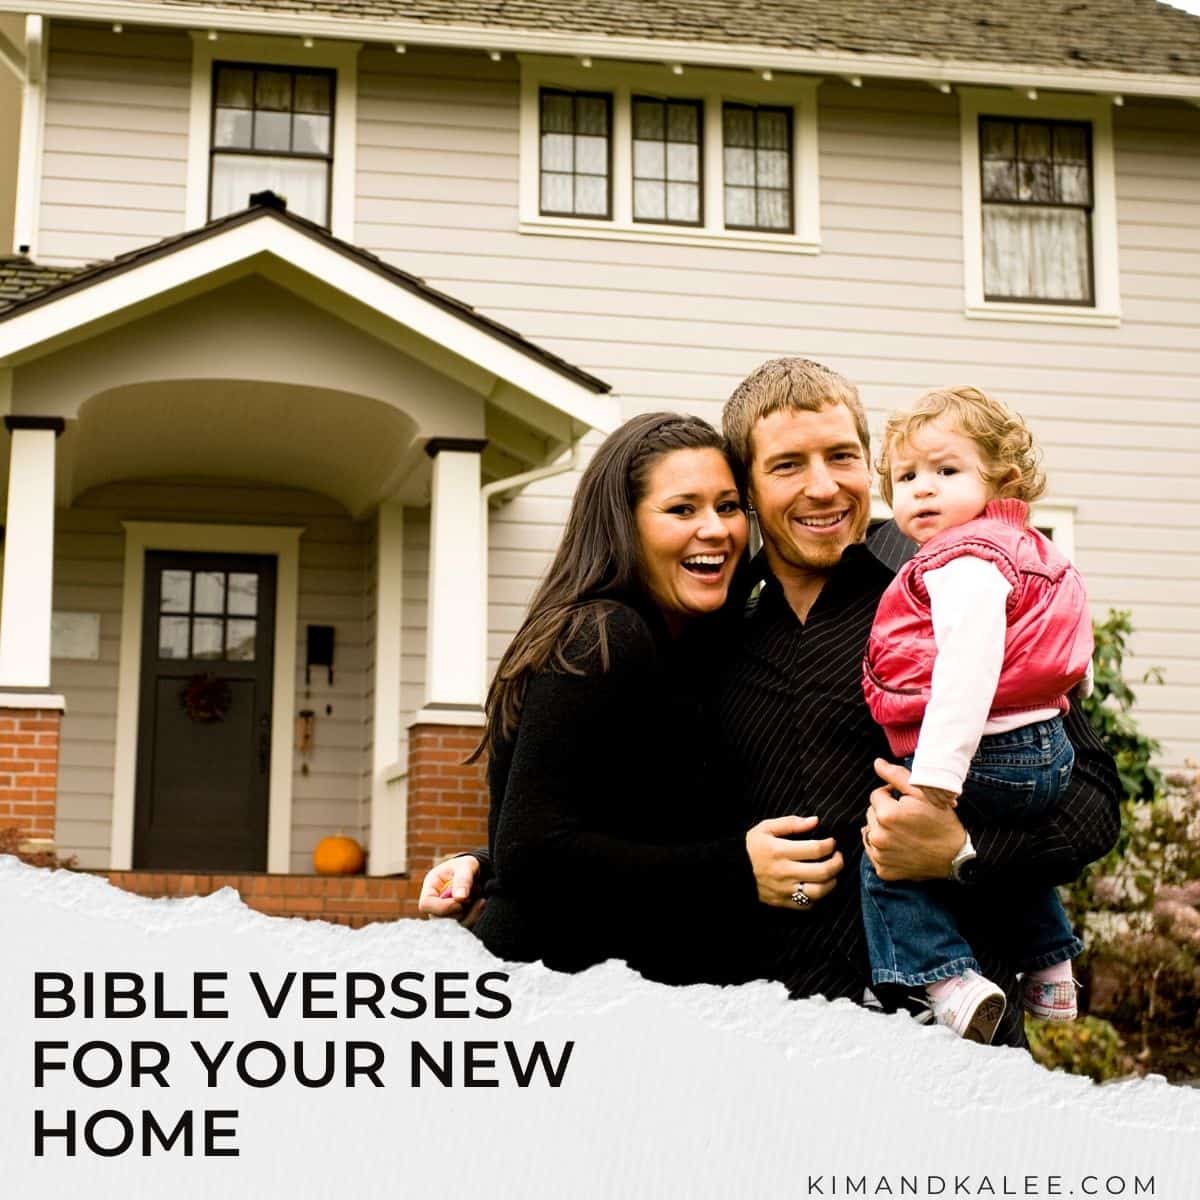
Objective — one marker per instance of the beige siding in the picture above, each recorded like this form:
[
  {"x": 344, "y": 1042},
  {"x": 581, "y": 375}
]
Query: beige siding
[
  {"x": 89, "y": 565},
  {"x": 12, "y": 26},
  {"x": 115, "y": 148},
  {"x": 1117, "y": 410}
]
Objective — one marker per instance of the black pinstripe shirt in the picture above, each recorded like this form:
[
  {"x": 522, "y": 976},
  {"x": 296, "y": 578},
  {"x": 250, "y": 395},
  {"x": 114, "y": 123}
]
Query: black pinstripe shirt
[{"x": 798, "y": 738}]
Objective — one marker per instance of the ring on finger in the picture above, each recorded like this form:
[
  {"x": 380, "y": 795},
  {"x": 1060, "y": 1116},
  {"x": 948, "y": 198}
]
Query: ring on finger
[{"x": 800, "y": 897}]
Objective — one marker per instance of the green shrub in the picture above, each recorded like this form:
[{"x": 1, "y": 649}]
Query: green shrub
[{"x": 1089, "y": 1046}]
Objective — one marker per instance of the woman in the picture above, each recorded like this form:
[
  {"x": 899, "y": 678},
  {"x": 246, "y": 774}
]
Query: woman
[{"x": 606, "y": 832}]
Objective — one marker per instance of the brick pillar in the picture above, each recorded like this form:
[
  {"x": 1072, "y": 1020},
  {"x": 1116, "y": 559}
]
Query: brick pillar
[
  {"x": 447, "y": 800},
  {"x": 29, "y": 769}
]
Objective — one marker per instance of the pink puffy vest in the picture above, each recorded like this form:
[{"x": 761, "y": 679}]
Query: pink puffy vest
[{"x": 1047, "y": 647}]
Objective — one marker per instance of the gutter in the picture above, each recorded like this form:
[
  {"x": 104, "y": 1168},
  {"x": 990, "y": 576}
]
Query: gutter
[{"x": 495, "y": 39}]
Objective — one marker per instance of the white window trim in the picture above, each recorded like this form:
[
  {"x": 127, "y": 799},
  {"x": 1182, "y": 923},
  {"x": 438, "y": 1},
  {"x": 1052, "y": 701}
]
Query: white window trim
[
  {"x": 1058, "y": 516},
  {"x": 714, "y": 88},
  {"x": 976, "y": 102},
  {"x": 341, "y": 57},
  {"x": 284, "y": 543}
]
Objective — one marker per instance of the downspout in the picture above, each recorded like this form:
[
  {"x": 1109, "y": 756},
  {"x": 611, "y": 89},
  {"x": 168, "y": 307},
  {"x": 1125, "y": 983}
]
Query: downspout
[{"x": 29, "y": 162}]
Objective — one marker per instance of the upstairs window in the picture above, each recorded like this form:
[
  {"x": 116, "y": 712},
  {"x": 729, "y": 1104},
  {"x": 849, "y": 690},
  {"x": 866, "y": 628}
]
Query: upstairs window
[
  {"x": 272, "y": 128},
  {"x": 576, "y": 138},
  {"x": 1036, "y": 191},
  {"x": 667, "y": 160},
  {"x": 758, "y": 168}
]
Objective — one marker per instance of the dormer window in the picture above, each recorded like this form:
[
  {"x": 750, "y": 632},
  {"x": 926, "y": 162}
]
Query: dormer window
[{"x": 272, "y": 128}]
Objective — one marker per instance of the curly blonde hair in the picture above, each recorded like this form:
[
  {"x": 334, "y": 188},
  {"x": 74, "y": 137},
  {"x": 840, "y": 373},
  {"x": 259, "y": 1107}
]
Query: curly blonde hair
[{"x": 1003, "y": 440}]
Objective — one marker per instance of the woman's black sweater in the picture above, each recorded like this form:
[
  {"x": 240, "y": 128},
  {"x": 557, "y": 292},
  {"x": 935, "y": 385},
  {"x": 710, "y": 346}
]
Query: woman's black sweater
[{"x": 609, "y": 833}]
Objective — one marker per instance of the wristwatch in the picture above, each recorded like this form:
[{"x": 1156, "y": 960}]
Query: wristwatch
[{"x": 962, "y": 866}]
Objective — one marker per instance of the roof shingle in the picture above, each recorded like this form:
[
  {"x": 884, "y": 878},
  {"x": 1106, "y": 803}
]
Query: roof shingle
[{"x": 1139, "y": 36}]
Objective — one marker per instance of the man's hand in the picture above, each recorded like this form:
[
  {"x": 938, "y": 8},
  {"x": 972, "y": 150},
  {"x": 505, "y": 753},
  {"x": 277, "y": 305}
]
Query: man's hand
[
  {"x": 907, "y": 837},
  {"x": 448, "y": 886},
  {"x": 781, "y": 862}
]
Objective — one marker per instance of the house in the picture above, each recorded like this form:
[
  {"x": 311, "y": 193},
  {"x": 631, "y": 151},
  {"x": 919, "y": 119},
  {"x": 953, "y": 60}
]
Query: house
[{"x": 280, "y": 477}]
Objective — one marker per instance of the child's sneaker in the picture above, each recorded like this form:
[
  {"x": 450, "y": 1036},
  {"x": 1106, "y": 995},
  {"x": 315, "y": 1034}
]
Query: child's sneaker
[
  {"x": 1049, "y": 1001},
  {"x": 970, "y": 1005}
]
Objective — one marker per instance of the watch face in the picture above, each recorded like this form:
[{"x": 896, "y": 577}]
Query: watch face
[{"x": 965, "y": 871}]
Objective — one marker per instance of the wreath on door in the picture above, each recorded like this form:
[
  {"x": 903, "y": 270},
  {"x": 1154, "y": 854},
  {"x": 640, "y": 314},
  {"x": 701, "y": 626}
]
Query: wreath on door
[{"x": 205, "y": 699}]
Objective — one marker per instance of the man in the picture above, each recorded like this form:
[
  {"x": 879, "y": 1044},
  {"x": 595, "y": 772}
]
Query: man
[{"x": 798, "y": 738}]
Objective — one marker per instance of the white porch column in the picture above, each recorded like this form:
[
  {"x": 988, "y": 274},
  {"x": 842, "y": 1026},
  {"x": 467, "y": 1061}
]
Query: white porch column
[
  {"x": 28, "y": 553},
  {"x": 389, "y": 772},
  {"x": 456, "y": 650}
]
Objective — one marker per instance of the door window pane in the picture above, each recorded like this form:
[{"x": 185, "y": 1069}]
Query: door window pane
[
  {"x": 210, "y": 592},
  {"x": 243, "y": 593},
  {"x": 176, "y": 591},
  {"x": 207, "y": 637},
  {"x": 172, "y": 637},
  {"x": 239, "y": 641}
]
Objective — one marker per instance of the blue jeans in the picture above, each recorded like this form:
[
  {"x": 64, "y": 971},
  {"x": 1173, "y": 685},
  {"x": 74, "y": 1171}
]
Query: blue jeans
[{"x": 912, "y": 932}]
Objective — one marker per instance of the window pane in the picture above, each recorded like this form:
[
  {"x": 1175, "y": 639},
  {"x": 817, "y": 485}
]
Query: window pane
[
  {"x": 239, "y": 641},
  {"x": 683, "y": 123},
  {"x": 591, "y": 115},
  {"x": 1034, "y": 141},
  {"x": 304, "y": 183},
  {"x": 591, "y": 155},
  {"x": 243, "y": 593},
  {"x": 310, "y": 134},
  {"x": 207, "y": 637},
  {"x": 1070, "y": 144},
  {"x": 235, "y": 87},
  {"x": 172, "y": 637},
  {"x": 997, "y": 139},
  {"x": 739, "y": 167},
  {"x": 1035, "y": 182},
  {"x": 210, "y": 592},
  {"x": 739, "y": 126},
  {"x": 558, "y": 152},
  {"x": 683, "y": 162},
  {"x": 773, "y": 210},
  {"x": 649, "y": 200},
  {"x": 649, "y": 160},
  {"x": 232, "y": 128},
  {"x": 591, "y": 196},
  {"x": 1074, "y": 184},
  {"x": 273, "y": 89},
  {"x": 312, "y": 93},
  {"x": 739, "y": 206},
  {"x": 272, "y": 131},
  {"x": 683, "y": 202},
  {"x": 999, "y": 180},
  {"x": 1034, "y": 253},
  {"x": 772, "y": 130},
  {"x": 648, "y": 119},
  {"x": 176, "y": 589},
  {"x": 772, "y": 169},
  {"x": 558, "y": 193},
  {"x": 557, "y": 113}
]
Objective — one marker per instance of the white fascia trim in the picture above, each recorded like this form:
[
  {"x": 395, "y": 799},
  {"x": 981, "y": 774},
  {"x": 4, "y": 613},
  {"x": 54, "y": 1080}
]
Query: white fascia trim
[
  {"x": 1097, "y": 110},
  {"x": 281, "y": 51},
  {"x": 284, "y": 543},
  {"x": 267, "y": 235},
  {"x": 714, "y": 88},
  {"x": 601, "y": 46},
  {"x": 29, "y": 153}
]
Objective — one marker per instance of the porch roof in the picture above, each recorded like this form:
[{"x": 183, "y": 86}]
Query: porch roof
[{"x": 25, "y": 285}]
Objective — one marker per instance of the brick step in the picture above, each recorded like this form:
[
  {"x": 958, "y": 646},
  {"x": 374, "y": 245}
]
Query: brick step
[{"x": 353, "y": 900}]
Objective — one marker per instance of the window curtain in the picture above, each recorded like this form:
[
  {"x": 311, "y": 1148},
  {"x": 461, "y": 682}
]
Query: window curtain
[
  {"x": 303, "y": 183},
  {"x": 1036, "y": 253}
]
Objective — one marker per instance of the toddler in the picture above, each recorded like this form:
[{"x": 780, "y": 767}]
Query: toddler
[{"x": 975, "y": 646}]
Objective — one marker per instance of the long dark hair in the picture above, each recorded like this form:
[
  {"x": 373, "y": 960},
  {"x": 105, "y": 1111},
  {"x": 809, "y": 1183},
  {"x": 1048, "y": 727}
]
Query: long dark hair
[{"x": 598, "y": 561}]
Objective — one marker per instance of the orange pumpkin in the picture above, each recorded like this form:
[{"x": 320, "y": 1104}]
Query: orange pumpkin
[{"x": 338, "y": 855}]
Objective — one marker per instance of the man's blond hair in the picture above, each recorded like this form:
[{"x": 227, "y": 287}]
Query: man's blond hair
[
  {"x": 1011, "y": 461},
  {"x": 798, "y": 384}
]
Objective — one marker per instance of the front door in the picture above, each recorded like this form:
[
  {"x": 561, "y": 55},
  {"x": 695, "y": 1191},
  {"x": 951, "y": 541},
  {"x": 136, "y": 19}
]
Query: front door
[{"x": 204, "y": 722}]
